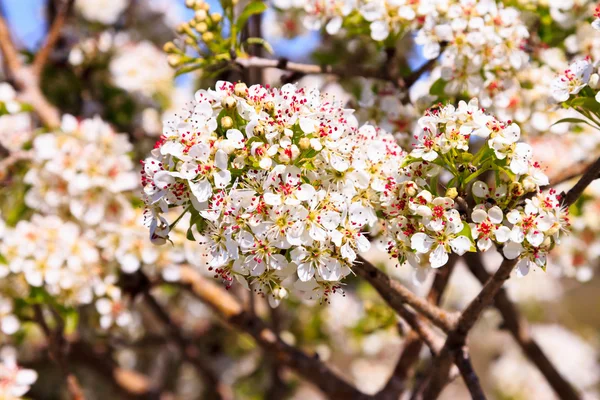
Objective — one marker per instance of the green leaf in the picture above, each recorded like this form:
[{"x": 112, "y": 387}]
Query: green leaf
[
  {"x": 71, "y": 317},
  {"x": 588, "y": 103},
  {"x": 438, "y": 87},
  {"x": 261, "y": 42},
  {"x": 254, "y": 7},
  {"x": 573, "y": 121}
]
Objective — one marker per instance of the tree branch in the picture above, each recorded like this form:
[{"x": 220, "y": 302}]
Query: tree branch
[
  {"x": 13, "y": 158},
  {"x": 397, "y": 295},
  {"x": 340, "y": 71},
  {"x": 456, "y": 339},
  {"x": 591, "y": 174},
  {"x": 463, "y": 362},
  {"x": 214, "y": 388},
  {"x": 519, "y": 329},
  {"x": 25, "y": 80},
  {"x": 228, "y": 309},
  {"x": 413, "y": 343},
  {"x": 129, "y": 383},
  {"x": 52, "y": 38},
  {"x": 58, "y": 352}
]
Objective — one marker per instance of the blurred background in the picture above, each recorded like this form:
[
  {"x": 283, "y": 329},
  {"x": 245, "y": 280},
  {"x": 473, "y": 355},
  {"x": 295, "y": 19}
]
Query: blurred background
[{"x": 109, "y": 64}]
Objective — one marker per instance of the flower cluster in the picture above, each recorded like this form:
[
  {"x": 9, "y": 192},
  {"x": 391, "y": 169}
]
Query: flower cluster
[
  {"x": 383, "y": 18},
  {"x": 572, "y": 80},
  {"x": 279, "y": 183},
  {"x": 424, "y": 227},
  {"x": 14, "y": 380},
  {"x": 16, "y": 127},
  {"x": 485, "y": 45},
  {"x": 82, "y": 170},
  {"x": 106, "y": 12},
  {"x": 141, "y": 68}
]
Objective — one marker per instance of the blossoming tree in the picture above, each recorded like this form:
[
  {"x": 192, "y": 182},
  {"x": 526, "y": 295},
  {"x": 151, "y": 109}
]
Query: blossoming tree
[{"x": 357, "y": 218}]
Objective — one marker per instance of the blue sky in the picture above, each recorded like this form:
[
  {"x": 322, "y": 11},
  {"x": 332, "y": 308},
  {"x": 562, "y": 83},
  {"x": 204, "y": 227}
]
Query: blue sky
[{"x": 28, "y": 26}]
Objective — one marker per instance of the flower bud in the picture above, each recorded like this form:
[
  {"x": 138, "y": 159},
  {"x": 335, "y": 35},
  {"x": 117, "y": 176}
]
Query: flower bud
[
  {"x": 200, "y": 15},
  {"x": 201, "y": 27},
  {"x": 410, "y": 188},
  {"x": 202, "y": 5},
  {"x": 226, "y": 122},
  {"x": 228, "y": 103},
  {"x": 304, "y": 143},
  {"x": 174, "y": 60},
  {"x": 529, "y": 185},
  {"x": 189, "y": 41},
  {"x": 190, "y": 3},
  {"x": 269, "y": 107},
  {"x": 516, "y": 189},
  {"x": 208, "y": 36},
  {"x": 240, "y": 89},
  {"x": 169, "y": 47},
  {"x": 452, "y": 193},
  {"x": 216, "y": 17},
  {"x": 280, "y": 293},
  {"x": 181, "y": 28},
  {"x": 259, "y": 130}
]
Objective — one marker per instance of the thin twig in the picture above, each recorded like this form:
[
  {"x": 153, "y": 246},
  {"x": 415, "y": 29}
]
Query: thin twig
[
  {"x": 131, "y": 384},
  {"x": 591, "y": 174},
  {"x": 572, "y": 171},
  {"x": 26, "y": 80},
  {"x": 12, "y": 159},
  {"x": 397, "y": 295},
  {"x": 52, "y": 38},
  {"x": 342, "y": 71},
  {"x": 214, "y": 388},
  {"x": 58, "y": 352},
  {"x": 519, "y": 329},
  {"x": 231, "y": 312}
]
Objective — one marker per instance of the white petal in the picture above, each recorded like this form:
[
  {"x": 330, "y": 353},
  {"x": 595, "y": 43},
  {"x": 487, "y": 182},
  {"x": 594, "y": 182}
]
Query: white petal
[
  {"x": 221, "y": 159},
  {"x": 201, "y": 190},
  {"x": 502, "y": 234},
  {"x": 421, "y": 242},
  {"x": 496, "y": 215},
  {"x": 523, "y": 267},
  {"x": 306, "y": 271},
  {"x": 479, "y": 215},
  {"x": 480, "y": 189},
  {"x": 305, "y": 192},
  {"x": 460, "y": 245},
  {"x": 438, "y": 257},
  {"x": 222, "y": 179},
  {"x": 512, "y": 250}
]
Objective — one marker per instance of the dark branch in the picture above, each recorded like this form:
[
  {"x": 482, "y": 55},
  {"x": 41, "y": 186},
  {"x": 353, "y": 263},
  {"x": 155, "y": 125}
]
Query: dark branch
[
  {"x": 518, "y": 328},
  {"x": 53, "y": 36},
  {"x": 231, "y": 312},
  {"x": 590, "y": 175},
  {"x": 398, "y": 296}
]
